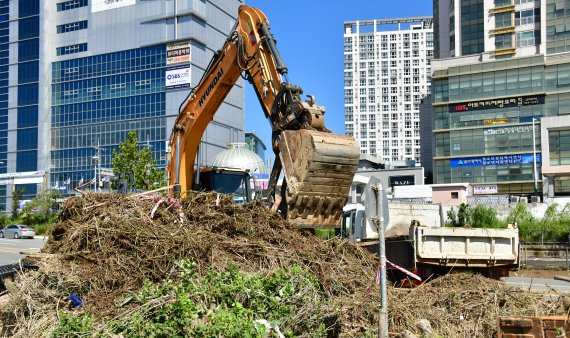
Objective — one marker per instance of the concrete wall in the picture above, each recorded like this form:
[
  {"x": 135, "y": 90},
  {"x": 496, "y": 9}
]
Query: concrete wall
[
  {"x": 401, "y": 214},
  {"x": 503, "y": 210}
]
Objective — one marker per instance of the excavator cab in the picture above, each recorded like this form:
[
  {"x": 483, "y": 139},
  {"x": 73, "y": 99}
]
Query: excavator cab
[{"x": 235, "y": 182}]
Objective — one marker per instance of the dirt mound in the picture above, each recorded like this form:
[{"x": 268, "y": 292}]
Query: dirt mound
[
  {"x": 106, "y": 246},
  {"x": 115, "y": 244},
  {"x": 468, "y": 305},
  {"x": 110, "y": 244}
]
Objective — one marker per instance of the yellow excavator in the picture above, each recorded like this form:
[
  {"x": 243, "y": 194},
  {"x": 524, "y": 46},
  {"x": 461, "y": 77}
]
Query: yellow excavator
[{"x": 318, "y": 166}]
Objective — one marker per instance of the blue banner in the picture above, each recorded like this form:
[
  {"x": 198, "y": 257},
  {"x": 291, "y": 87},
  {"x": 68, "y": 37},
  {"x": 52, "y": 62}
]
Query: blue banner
[
  {"x": 493, "y": 160},
  {"x": 260, "y": 176}
]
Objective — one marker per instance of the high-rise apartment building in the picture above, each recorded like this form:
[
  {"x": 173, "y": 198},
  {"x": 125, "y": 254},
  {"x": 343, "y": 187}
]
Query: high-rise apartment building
[
  {"x": 501, "y": 95},
  {"x": 387, "y": 72},
  {"x": 77, "y": 75}
]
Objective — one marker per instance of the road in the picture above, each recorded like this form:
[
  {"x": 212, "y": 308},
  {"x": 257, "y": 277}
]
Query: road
[
  {"x": 10, "y": 248},
  {"x": 540, "y": 284}
]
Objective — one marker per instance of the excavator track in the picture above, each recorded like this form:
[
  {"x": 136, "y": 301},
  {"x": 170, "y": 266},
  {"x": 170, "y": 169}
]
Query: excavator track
[{"x": 318, "y": 168}]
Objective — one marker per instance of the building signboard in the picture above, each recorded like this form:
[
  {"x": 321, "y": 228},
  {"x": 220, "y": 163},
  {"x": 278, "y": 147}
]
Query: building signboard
[
  {"x": 177, "y": 53},
  {"x": 178, "y": 77},
  {"x": 39, "y": 173},
  {"x": 402, "y": 180},
  {"x": 508, "y": 130},
  {"x": 511, "y": 102},
  {"x": 484, "y": 189},
  {"x": 493, "y": 160},
  {"x": 104, "y": 5},
  {"x": 496, "y": 120}
]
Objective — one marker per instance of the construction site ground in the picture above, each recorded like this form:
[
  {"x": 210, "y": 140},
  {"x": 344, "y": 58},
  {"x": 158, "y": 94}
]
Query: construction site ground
[{"x": 128, "y": 265}]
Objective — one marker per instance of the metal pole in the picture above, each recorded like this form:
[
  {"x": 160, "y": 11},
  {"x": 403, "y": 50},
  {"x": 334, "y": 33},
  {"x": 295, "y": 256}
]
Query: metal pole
[
  {"x": 379, "y": 220},
  {"x": 98, "y": 166},
  {"x": 534, "y": 159}
]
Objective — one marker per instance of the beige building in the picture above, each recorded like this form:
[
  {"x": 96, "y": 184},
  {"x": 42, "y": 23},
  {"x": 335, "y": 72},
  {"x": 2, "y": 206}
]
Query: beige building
[{"x": 449, "y": 194}]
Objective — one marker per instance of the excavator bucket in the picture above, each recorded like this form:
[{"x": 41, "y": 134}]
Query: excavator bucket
[{"x": 318, "y": 168}]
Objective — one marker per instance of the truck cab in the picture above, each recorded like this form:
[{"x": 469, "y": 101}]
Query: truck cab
[
  {"x": 236, "y": 182},
  {"x": 354, "y": 226}
]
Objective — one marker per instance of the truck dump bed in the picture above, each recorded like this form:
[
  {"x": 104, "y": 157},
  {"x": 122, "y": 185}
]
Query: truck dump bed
[{"x": 466, "y": 247}]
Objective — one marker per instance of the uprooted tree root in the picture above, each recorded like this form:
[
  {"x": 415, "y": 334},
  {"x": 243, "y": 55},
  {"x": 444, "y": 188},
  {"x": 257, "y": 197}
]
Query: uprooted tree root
[{"x": 105, "y": 246}]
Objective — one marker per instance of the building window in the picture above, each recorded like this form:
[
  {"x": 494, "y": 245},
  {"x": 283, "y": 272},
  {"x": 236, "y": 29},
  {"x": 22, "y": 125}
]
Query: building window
[
  {"x": 524, "y": 17},
  {"x": 71, "y": 4},
  {"x": 499, "y": 3},
  {"x": 78, "y": 48},
  {"x": 559, "y": 146},
  {"x": 504, "y": 19},
  {"x": 27, "y": 8},
  {"x": 454, "y": 195},
  {"x": 29, "y": 28},
  {"x": 503, "y": 41},
  {"x": 527, "y": 38},
  {"x": 73, "y": 26}
]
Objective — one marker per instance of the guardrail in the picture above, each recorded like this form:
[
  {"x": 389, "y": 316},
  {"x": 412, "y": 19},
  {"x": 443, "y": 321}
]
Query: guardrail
[{"x": 537, "y": 252}]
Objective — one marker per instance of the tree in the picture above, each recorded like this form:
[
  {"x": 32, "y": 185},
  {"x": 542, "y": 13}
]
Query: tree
[
  {"x": 135, "y": 164},
  {"x": 16, "y": 198},
  {"x": 460, "y": 218},
  {"x": 41, "y": 209}
]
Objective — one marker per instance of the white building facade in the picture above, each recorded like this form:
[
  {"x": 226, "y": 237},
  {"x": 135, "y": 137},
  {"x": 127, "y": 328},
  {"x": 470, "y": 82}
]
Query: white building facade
[{"x": 387, "y": 72}]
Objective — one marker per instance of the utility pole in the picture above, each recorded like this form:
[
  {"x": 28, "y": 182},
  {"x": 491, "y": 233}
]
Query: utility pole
[{"x": 534, "y": 158}]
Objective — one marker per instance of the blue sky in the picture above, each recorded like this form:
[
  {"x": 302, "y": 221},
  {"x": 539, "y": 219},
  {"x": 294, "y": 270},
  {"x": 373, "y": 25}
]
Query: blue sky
[{"x": 309, "y": 37}]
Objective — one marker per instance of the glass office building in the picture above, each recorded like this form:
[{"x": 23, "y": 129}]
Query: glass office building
[
  {"x": 483, "y": 123},
  {"x": 494, "y": 107},
  {"x": 77, "y": 75},
  {"x": 96, "y": 100}
]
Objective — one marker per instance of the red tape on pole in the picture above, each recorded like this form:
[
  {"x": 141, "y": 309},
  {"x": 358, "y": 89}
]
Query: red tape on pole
[{"x": 411, "y": 274}]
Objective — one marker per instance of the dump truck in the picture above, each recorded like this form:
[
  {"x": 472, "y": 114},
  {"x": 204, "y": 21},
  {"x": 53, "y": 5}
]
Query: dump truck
[{"x": 431, "y": 250}]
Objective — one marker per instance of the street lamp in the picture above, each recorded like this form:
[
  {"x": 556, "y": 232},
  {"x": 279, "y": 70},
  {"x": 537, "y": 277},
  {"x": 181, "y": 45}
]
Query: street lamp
[
  {"x": 97, "y": 169},
  {"x": 534, "y": 159}
]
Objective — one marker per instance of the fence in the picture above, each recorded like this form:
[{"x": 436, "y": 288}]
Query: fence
[
  {"x": 418, "y": 200},
  {"x": 488, "y": 199}
]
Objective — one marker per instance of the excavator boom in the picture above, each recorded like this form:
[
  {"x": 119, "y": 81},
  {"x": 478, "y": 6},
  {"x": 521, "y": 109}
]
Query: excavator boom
[{"x": 317, "y": 165}]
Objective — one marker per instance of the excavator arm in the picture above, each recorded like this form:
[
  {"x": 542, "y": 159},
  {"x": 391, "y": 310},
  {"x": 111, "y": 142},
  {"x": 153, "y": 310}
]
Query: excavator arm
[{"x": 317, "y": 165}]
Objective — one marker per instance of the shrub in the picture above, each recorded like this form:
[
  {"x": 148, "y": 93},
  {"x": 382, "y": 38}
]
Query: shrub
[
  {"x": 459, "y": 218},
  {"x": 485, "y": 217},
  {"x": 219, "y": 304},
  {"x": 480, "y": 216}
]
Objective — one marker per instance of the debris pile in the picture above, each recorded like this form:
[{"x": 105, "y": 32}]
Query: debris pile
[
  {"x": 468, "y": 305},
  {"x": 107, "y": 245},
  {"x": 106, "y": 248}
]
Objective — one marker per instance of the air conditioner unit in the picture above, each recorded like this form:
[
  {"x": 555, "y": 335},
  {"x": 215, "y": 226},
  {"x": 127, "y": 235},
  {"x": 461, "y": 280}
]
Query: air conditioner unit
[
  {"x": 514, "y": 199},
  {"x": 523, "y": 199},
  {"x": 535, "y": 199}
]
